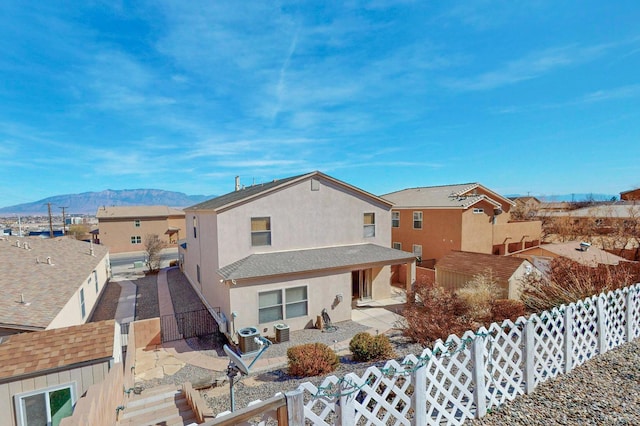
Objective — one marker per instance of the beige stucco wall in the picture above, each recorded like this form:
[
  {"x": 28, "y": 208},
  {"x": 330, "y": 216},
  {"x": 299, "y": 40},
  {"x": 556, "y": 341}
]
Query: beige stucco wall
[
  {"x": 477, "y": 228},
  {"x": 515, "y": 282},
  {"x": 116, "y": 233},
  {"x": 81, "y": 378},
  {"x": 71, "y": 313}
]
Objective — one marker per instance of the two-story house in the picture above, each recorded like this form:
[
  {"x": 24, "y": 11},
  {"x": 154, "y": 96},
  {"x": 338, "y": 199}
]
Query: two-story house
[
  {"x": 433, "y": 221},
  {"x": 124, "y": 228},
  {"x": 282, "y": 251}
]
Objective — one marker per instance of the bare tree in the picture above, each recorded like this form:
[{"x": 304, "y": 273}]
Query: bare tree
[{"x": 153, "y": 248}]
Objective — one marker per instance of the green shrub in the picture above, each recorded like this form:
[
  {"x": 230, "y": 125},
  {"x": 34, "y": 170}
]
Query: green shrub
[
  {"x": 312, "y": 359},
  {"x": 366, "y": 347}
]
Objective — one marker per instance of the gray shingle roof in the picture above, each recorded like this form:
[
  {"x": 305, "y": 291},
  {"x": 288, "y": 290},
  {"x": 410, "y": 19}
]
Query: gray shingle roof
[
  {"x": 296, "y": 261},
  {"x": 47, "y": 288},
  {"x": 447, "y": 196}
]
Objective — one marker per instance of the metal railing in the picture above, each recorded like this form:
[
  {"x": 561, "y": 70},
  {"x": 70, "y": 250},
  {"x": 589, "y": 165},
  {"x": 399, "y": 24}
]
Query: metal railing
[{"x": 184, "y": 325}]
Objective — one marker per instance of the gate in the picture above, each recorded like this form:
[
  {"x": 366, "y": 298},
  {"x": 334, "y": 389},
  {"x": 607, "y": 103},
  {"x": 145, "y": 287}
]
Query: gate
[{"x": 184, "y": 325}]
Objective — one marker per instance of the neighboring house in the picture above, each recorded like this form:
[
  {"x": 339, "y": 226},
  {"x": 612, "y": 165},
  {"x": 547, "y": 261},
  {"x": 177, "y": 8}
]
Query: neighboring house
[
  {"x": 282, "y": 251},
  {"x": 43, "y": 374},
  {"x": 631, "y": 195},
  {"x": 554, "y": 206},
  {"x": 124, "y": 228},
  {"x": 457, "y": 268},
  {"x": 525, "y": 207},
  {"x": 433, "y": 221},
  {"x": 49, "y": 283},
  {"x": 600, "y": 219},
  {"x": 580, "y": 252}
]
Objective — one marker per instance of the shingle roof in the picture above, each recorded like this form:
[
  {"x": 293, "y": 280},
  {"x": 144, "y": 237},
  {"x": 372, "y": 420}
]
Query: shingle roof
[
  {"x": 296, "y": 261},
  {"x": 40, "y": 351},
  {"x": 448, "y": 196},
  {"x": 117, "y": 212},
  {"x": 250, "y": 192},
  {"x": 46, "y": 288},
  {"x": 593, "y": 256},
  {"x": 468, "y": 263}
]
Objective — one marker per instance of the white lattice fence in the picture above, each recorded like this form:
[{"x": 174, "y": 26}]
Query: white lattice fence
[
  {"x": 614, "y": 317},
  {"x": 585, "y": 330},
  {"x": 548, "y": 344}
]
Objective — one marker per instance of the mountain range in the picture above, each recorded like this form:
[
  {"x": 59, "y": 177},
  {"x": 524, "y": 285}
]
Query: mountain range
[{"x": 88, "y": 202}]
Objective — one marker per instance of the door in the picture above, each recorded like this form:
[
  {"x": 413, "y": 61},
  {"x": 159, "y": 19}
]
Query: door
[{"x": 361, "y": 284}]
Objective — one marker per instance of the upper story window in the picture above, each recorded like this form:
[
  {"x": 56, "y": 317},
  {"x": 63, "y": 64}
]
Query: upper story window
[
  {"x": 397, "y": 246},
  {"x": 83, "y": 309},
  {"x": 260, "y": 231},
  {"x": 417, "y": 220},
  {"x": 395, "y": 219},
  {"x": 136, "y": 223},
  {"x": 369, "y": 225},
  {"x": 136, "y": 239},
  {"x": 195, "y": 227},
  {"x": 478, "y": 210}
]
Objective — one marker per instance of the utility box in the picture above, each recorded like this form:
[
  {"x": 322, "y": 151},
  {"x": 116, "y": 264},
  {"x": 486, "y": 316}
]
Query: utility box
[
  {"x": 247, "y": 339},
  {"x": 282, "y": 332}
]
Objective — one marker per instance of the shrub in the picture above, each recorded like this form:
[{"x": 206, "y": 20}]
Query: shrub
[
  {"x": 503, "y": 309},
  {"x": 479, "y": 294},
  {"x": 311, "y": 359},
  {"x": 434, "y": 313},
  {"x": 366, "y": 347}
]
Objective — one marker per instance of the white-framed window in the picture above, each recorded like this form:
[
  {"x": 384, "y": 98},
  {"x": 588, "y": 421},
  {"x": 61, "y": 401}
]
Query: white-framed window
[
  {"x": 417, "y": 250},
  {"x": 45, "y": 406},
  {"x": 397, "y": 246},
  {"x": 395, "y": 219},
  {"x": 369, "y": 225},
  {"x": 95, "y": 278},
  {"x": 83, "y": 309},
  {"x": 417, "y": 220},
  {"x": 195, "y": 227},
  {"x": 281, "y": 304},
  {"x": 136, "y": 223},
  {"x": 260, "y": 231},
  {"x": 136, "y": 239},
  {"x": 315, "y": 185},
  {"x": 478, "y": 210}
]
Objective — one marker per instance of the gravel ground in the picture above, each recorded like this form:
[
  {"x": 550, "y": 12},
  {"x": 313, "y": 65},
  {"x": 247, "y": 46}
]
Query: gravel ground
[
  {"x": 147, "y": 297},
  {"x": 603, "y": 391},
  {"x": 108, "y": 303},
  {"x": 183, "y": 296}
]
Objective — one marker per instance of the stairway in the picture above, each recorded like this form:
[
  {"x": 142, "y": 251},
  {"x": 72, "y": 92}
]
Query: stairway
[{"x": 164, "y": 405}]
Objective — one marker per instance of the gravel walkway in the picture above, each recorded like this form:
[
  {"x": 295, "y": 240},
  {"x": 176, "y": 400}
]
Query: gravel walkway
[
  {"x": 108, "y": 303},
  {"x": 183, "y": 296},
  {"x": 603, "y": 391},
  {"x": 147, "y": 297}
]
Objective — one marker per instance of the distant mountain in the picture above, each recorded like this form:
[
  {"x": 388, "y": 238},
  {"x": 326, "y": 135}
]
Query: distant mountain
[{"x": 88, "y": 202}]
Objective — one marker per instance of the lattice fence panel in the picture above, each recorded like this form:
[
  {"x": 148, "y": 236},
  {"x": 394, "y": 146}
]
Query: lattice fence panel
[
  {"x": 504, "y": 360},
  {"x": 383, "y": 395},
  {"x": 635, "y": 309},
  {"x": 548, "y": 344},
  {"x": 320, "y": 402},
  {"x": 615, "y": 317},
  {"x": 449, "y": 381},
  {"x": 585, "y": 330}
]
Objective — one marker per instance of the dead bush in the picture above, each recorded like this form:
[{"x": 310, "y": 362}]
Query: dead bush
[
  {"x": 312, "y": 359},
  {"x": 503, "y": 309},
  {"x": 479, "y": 294}
]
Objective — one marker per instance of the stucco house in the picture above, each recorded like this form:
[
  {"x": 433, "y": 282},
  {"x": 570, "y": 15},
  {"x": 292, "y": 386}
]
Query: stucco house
[
  {"x": 457, "y": 268},
  {"x": 433, "y": 221},
  {"x": 630, "y": 195},
  {"x": 282, "y": 251},
  {"x": 43, "y": 374},
  {"x": 124, "y": 228},
  {"x": 49, "y": 283}
]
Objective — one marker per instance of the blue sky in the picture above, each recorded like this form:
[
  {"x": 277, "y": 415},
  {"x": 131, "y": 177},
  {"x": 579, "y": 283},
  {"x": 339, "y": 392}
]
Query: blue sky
[{"x": 539, "y": 97}]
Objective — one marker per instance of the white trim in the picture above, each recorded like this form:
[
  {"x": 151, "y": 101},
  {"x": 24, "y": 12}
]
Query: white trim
[{"x": 17, "y": 400}]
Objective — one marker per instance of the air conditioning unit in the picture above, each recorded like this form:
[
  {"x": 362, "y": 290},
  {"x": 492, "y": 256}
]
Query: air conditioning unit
[{"x": 247, "y": 339}]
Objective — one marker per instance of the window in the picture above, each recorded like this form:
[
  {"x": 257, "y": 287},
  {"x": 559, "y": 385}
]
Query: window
[
  {"x": 195, "y": 227},
  {"x": 397, "y": 246},
  {"x": 83, "y": 310},
  {"x": 395, "y": 219},
  {"x": 417, "y": 250},
  {"x": 369, "y": 225},
  {"x": 260, "y": 231},
  {"x": 478, "y": 210},
  {"x": 198, "y": 272},
  {"x": 417, "y": 220},
  {"x": 95, "y": 278},
  {"x": 45, "y": 407},
  {"x": 136, "y": 239},
  {"x": 271, "y": 304},
  {"x": 296, "y": 302},
  {"x": 136, "y": 223},
  {"x": 315, "y": 185}
]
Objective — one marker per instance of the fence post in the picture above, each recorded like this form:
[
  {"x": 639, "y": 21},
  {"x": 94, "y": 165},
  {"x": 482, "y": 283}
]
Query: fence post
[
  {"x": 630, "y": 329},
  {"x": 568, "y": 339},
  {"x": 602, "y": 324},
  {"x": 345, "y": 409},
  {"x": 479, "y": 390},
  {"x": 419, "y": 397},
  {"x": 295, "y": 407},
  {"x": 529, "y": 357}
]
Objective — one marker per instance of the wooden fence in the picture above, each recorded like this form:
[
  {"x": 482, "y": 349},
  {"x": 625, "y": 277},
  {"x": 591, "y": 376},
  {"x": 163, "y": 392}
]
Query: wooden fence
[{"x": 463, "y": 377}]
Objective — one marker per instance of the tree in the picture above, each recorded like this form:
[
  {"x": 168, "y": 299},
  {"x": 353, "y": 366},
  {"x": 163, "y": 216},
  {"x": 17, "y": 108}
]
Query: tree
[
  {"x": 153, "y": 248},
  {"x": 79, "y": 232}
]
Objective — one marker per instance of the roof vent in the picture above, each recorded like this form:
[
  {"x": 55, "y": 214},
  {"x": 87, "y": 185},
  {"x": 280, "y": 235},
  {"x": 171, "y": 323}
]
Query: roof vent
[
  {"x": 584, "y": 246},
  {"x": 22, "y": 301},
  {"x": 17, "y": 243},
  {"x": 26, "y": 246},
  {"x": 91, "y": 248},
  {"x": 49, "y": 260}
]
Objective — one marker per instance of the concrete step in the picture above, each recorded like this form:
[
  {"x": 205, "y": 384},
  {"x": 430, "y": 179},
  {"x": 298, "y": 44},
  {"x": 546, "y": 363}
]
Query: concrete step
[
  {"x": 150, "y": 399},
  {"x": 177, "y": 403},
  {"x": 166, "y": 414}
]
